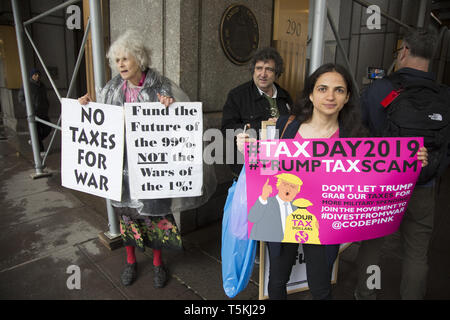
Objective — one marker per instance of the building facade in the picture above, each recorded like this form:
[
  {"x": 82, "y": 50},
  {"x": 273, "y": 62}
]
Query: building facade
[{"x": 185, "y": 36}]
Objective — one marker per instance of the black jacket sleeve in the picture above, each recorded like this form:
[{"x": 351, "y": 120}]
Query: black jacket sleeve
[{"x": 231, "y": 114}]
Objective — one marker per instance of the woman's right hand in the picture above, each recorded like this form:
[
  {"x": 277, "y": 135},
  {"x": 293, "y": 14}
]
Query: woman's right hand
[{"x": 84, "y": 99}]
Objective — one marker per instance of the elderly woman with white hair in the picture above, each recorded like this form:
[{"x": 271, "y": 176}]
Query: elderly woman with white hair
[{"x": 143, "y": 223}]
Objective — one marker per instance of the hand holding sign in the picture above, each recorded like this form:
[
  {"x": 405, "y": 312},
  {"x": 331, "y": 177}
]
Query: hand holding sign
[
  {"x": 167, "y": 101},
  {"x": 422, "y": 156}
]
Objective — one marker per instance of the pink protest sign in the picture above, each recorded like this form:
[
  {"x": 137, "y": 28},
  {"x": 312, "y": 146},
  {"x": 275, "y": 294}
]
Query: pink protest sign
[{"x": 329, "y": 191}]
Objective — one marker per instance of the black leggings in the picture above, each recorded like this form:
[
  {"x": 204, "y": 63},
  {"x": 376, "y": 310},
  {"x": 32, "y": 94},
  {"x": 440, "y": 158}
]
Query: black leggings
[{"x": 319, "y": 266}]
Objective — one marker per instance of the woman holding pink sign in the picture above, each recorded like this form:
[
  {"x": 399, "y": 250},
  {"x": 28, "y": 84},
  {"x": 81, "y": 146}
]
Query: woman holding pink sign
[{"x": 326, "y": 109}]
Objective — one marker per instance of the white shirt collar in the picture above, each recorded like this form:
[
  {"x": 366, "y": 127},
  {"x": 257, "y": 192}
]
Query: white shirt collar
[{"x": 274, "y": 96}]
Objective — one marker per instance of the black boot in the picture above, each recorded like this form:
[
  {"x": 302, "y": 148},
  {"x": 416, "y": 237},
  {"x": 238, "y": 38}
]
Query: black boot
[
  {"x": 160, "y": 276},
  {"x": 129, "y": 274}
]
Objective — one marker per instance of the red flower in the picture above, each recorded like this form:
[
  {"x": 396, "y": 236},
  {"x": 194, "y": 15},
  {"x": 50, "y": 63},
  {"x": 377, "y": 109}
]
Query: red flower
[{"x": 165, "y": 224}]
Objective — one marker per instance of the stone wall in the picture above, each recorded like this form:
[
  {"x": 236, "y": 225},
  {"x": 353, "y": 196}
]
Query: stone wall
[{"x": 184, "y": 36}]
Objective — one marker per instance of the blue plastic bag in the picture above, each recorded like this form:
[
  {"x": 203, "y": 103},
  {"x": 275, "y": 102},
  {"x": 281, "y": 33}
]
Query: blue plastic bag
[
  {"x": 238, "y": 254},
  {"x": 238, "y": 216}
]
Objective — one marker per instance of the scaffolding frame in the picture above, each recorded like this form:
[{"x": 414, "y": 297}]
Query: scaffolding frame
[
  {"x": 322, "y": 13},
  {"x": 95, "y": 27}
]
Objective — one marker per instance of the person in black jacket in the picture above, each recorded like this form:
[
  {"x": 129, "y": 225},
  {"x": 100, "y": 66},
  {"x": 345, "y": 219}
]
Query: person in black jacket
[
  {"x": 40, "y": 104},
  {"x": 413, "y": 60},
  {"x": 257, "y": 100}
]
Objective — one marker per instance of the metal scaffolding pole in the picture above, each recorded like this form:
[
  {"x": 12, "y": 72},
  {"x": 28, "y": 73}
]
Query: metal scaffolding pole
[
  {"x": 50, "y": 78},
  {"x": 341, "y": 49},
  {"x": 320, "y": 13},
  {"x": 26, "y": 88},
  {"x": 421, "y": 18},
  {"x": 72, "y": 82},
  {"x": 444, "y": 50},
  {"x": 43, "y": 64},
  {"x": 98, "y": 54}
]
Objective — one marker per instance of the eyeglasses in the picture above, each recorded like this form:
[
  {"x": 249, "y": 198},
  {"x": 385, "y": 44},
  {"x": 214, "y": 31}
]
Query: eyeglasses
[{"x": 395, "y": 53}]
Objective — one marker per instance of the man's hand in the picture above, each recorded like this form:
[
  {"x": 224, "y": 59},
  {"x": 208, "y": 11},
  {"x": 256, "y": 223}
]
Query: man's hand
[
  {"x": 241, "y": 139},
  {"x": 266, "y": 190}
]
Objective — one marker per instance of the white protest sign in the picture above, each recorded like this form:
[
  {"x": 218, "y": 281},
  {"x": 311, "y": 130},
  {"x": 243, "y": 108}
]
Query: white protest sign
[
  {"x": 164, "y": 149},
  {"x": 92, "y": 144}
]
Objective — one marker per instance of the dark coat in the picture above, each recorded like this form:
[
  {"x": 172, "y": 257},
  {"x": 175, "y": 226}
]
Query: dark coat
[
  {"x": 373, "y": 113},
  {"x": 246, "y": 105},
  {"x": 38, "y": 95}
]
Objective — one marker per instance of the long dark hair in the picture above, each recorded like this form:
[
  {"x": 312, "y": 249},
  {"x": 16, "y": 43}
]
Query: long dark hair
[{"x": 349, "y": 117}]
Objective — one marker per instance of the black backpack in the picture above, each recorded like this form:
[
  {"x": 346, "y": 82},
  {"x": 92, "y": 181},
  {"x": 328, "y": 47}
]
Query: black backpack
[{"x": 421, "y": 108}]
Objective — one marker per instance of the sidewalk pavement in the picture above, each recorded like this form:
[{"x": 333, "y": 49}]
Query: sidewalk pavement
[{"x": 45, "y": 229}]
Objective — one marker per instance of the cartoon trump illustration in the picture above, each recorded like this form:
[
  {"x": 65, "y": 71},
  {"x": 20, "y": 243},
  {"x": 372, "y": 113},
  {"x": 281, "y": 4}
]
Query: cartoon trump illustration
[{"x": 269, "y": 214}]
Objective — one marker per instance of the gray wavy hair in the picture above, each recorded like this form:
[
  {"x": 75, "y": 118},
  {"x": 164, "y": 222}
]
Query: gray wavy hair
[{"x": 130, "y": 43}]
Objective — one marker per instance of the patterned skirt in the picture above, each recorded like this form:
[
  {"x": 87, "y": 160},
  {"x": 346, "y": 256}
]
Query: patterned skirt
[{"x": 155, "y": 232}]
